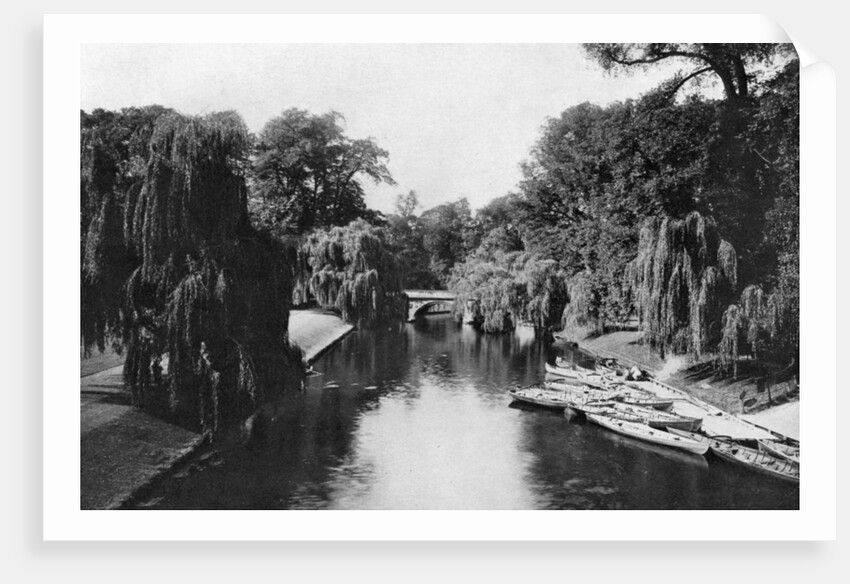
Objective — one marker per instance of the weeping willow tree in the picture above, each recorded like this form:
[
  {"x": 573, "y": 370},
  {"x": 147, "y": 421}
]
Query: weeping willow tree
[
  {"x": 202, "y": 297},
  {"x": 682, "y": 278},
  {"x": 759, "y": 325},
  {"x": 581, "y": 317},
  {"x": 503, "y": 290},
  {"x": 113, "y": 155},
  {"x": 351, "y": 269}
]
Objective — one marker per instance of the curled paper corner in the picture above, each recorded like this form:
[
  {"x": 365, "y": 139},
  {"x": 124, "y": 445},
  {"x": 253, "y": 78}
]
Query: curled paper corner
[{"x": 807, "y": 57}]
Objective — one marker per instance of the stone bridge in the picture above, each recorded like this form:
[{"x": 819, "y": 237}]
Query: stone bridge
[{"x": 419, "y": 301}]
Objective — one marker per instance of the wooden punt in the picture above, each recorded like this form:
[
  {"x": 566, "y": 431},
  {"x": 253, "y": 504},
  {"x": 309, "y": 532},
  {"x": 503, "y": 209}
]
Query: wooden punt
[
  {"x": 756, "y": 460},
  {"x": 618, "y": 392},
  {"x": 558, "y": 399},
  {"x": 649, "y": 434},
  {"x": 562, "y": 363},
  {"x": 658, "y": 419},
  {"x": 656, "y": 403},
  {"x": 751, "y": 458},
  {"x": 609, "y": 409},
  {"x": 780, "y": 450},
  {"x": 571, "y": 373}
]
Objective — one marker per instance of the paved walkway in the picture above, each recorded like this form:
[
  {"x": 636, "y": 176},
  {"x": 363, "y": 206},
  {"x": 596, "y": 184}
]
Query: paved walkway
[{"x": 121, "y": 448}]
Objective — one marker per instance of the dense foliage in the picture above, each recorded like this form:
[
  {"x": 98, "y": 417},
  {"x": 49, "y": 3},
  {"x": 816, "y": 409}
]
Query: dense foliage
[
  {"x": 201, "y": 296},
  {"x": 678, "y": 210},
  {"x": 353, "y": 270},
  {"x": 665, "y": 208},
  {"x": 683, "y": 276},
  {"x": 503, "y": 290},
  {"x": 307, "y": 173}
]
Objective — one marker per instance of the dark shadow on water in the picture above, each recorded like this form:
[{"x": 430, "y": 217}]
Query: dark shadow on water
[{"x": 418, "y": 417}]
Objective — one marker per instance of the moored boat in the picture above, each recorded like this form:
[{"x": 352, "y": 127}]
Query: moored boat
[
  {"x": 562, "y": 363},
  {"x": 756, "y": 460},
  {"x": 573, "y": 372},
  {"x": 540, "y": 397},
  {"x": 577, "y": 377},
  {"x": 658, "y": 419},
  {"x": 752, "y": 458},
  {"x": 607, "y": 409},
  {"x": 556, "y": 398},
  {"x": 649, "y": 434},
  {"x": 640, "y": 398},
  {"x": 780, "y": 450},
  {"x": 617, "y": 391}
]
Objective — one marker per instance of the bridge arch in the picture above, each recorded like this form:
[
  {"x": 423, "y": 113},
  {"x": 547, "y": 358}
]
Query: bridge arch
[
  {"x": 420, "y": 300},
  {"x": 417, "y": 308}
]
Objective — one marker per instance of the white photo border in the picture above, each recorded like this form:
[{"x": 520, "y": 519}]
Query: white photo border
[{"x": 63, "y": 519}]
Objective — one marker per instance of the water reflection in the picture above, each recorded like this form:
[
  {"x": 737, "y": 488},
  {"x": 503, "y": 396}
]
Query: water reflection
[{"x": 418, "y": 418}]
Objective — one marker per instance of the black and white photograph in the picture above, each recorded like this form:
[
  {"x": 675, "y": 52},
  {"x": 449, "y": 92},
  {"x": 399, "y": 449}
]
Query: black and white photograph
[{"x": 440, "y": 276}]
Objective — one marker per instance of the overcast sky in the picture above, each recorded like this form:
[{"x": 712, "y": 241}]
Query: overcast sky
[{"x": 456, "y": 119}]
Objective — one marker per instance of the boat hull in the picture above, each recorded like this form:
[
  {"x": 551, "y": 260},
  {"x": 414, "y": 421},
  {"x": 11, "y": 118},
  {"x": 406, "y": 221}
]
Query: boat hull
[
  {"x": 760, "y": 462},
  {"x": 648, "y": 434},
  {"x": 779, "y": 450},
  {"x": 541, "y": 399},
  {"x": 658, "y": 419}
]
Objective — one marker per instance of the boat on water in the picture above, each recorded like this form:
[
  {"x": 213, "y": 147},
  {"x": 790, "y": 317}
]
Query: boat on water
[
  {"x": 649, "y": 434},
  {"x": 539, "y": 397},
  {"x": 658, "y": 419},
  {"x": 608, "y": 408},
  {"x": 618, "y": 392},
  {"x": 645, "y": 401},
  {"x": 558, "y": 399},
  {"x": 573, "y": 372},
  {"x": 562, "y": 363},
  {"x": 752, "y": 458},
  {"x": 780, "y": 450}
]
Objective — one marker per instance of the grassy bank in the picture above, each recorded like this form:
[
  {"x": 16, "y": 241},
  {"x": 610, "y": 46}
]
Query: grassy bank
[{"x": 697, "y": 379}]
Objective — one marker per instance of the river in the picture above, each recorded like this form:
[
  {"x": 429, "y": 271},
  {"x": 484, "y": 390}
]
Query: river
[{"x": 416, "y": 417}]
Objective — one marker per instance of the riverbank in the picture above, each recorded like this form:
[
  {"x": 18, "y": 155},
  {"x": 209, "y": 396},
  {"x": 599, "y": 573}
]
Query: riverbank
[
  {"x": 123, "y": 450},
  {"x": 723, "y": 394},
  {"x": 316, "y": 331}
]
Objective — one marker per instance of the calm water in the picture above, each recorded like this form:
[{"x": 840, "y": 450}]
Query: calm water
[{"x": 418, "y": 418}]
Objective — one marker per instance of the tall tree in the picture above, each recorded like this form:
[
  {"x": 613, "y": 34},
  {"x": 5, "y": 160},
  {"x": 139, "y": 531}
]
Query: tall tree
[
  {"x": 405, "y": 235},
  {"x": 203, "y": 297},
  {"x": 113, "y": 155},
  {"x": 753, "y": 171},
  {"x": 497, "y": 226},
  {"x": 445, "y": 232},
  {"x": 307, "y": 173}
]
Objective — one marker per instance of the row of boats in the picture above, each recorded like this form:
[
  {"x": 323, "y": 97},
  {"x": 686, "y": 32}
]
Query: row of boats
[{"x": 618, "y": 405}]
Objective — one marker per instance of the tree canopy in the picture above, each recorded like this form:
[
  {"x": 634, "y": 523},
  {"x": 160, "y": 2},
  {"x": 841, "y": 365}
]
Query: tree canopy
[
  {"x": 307, "y": 173},
  {"x": 503, "y": 290},
  {"x": 731, "y": 63},
  {"x": 202, "y": 297},
  {"x": 681, "y": 211}
]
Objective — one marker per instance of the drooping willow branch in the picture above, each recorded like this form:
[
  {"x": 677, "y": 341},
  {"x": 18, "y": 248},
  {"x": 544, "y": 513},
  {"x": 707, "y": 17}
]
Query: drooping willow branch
[
  {"x": 508, "y": 289},
  {"x": 682, "y": 277},
  {"x": 353, "y": 270},
  {"x": 203, "y": 297}
]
